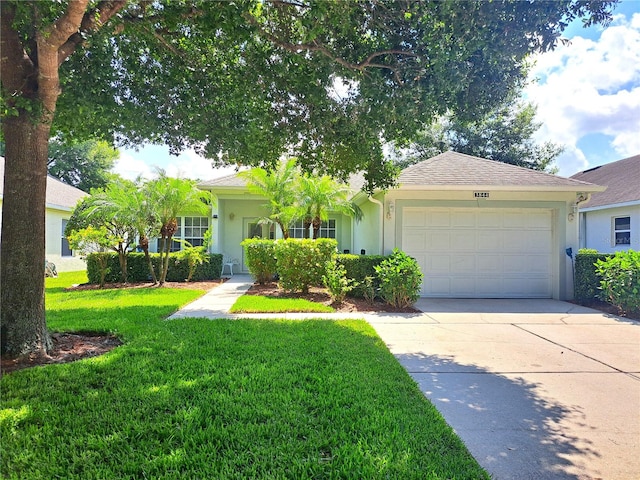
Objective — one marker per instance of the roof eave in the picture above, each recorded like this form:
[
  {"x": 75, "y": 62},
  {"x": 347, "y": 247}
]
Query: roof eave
[
  {"x": 510, "y": 188},
  {"x": 632, "y": 203}
]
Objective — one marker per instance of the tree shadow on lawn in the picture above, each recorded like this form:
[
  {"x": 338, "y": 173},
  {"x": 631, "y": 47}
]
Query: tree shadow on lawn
[{"x": 507, "y": 426}]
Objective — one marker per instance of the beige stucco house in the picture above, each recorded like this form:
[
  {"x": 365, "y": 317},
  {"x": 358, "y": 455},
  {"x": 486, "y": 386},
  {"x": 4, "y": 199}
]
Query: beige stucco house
[
  {"x": 478, "y": 228},
  {"x": 610, "y": 220},
  {"x": 61, "y": 200}
]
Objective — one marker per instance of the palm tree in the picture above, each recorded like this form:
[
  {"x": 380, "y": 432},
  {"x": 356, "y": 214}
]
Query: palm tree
[
  {"x": 112, "y": 208},
  {"x": 144, "y": 220},
  {"x": 170, "y": 197},
  {"x": 320, "y": 195},
  {"x": 278, "y": 187}
]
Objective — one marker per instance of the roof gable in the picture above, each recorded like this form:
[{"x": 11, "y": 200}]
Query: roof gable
[
  {"x": 622, "y": 179},
  {"x": 59, "y": 194},
  {"x": 457, "y": 169}
]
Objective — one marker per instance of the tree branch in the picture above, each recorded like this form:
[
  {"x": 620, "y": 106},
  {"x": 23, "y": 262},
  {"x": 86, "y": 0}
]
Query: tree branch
[
  {"x": 15, "y": 65},
  {"x": 315, "y": 47},
  {"x": 92, "y": 20}
]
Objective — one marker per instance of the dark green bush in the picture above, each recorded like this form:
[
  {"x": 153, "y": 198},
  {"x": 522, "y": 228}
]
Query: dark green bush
[
  {"x": 587, "y": 281},
  {"x": 400, "y": 279},
  {"x": 358, "y": 268},
  {"x": 261, "y": 258},
  {"x": 138, "y": 270},
  {"x": 336, "y": 281},
  {"x": 302, "y": 262},
  {"x": 620, "y": 280}
]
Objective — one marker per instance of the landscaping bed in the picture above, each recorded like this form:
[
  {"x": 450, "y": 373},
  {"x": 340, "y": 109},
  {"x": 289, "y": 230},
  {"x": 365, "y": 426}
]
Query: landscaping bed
[{"x": 321, "y": 295}]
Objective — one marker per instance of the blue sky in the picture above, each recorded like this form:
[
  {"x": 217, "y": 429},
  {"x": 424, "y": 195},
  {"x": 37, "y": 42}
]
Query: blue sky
[{"x": 587, "y": 93}]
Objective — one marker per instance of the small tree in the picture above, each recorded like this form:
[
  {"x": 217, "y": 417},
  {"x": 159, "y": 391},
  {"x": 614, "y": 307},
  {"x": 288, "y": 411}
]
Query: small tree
[
  {"x": 317, "y": 196},
  {"x": 169, "y": 197},
  {"x": 278, "y": 187},
  {"x": 95, "y": 241}
]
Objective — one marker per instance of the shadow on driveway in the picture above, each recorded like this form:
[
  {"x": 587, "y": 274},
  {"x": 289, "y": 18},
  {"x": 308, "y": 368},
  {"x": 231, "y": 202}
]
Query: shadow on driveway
[{"x": 509, "y": 428}]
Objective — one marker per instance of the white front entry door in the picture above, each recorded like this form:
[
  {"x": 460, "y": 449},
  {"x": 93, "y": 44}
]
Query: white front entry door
[{"x": 481, "y": 253}]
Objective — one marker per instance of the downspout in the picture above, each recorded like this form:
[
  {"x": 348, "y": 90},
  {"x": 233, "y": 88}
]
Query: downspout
[{"x": 378, "y": 202}]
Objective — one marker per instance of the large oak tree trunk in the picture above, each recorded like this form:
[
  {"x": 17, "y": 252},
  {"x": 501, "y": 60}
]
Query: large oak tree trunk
[{"x": 24, "y": 328}]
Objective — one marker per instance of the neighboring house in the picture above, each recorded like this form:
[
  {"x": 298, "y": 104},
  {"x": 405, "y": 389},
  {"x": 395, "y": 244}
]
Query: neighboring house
[
  {"x": 61, "y": 199},
  {"x": 478, "y": 228},
  {"x": 610, "y": 220}
]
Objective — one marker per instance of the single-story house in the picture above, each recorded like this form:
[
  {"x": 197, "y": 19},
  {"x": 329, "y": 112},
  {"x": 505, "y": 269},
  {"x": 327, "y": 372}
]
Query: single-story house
[
  {"x": 478, "y": 228},
  {"x": 610, "y": 220},
  {"x": 61, "y": 200}
]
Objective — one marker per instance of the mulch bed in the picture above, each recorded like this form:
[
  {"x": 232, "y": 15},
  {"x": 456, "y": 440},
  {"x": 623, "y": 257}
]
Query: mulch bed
[
  {"x": 67, "y": 347},
  {"x": 320, "y": 295}
]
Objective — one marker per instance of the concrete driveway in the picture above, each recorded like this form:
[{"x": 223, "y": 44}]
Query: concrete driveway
[{"x": 537, "y": 389}]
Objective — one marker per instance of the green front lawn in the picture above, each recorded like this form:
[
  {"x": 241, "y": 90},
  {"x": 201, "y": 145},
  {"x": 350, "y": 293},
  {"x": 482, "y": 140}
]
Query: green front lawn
[
  {"x": 219, "y": 399},
  {"x": 264, "y": 304}
]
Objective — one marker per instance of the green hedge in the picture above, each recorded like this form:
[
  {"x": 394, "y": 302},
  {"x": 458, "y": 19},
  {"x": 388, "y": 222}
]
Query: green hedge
[
  {"x": 261, "y": 258},
  {"x": 358, "y": 267},
  {"x": 587, "y": 281},
  {"x": 138, "y": 270},
  {"x": 301, "y": 263},
  {"x": 620, "y": 280}
]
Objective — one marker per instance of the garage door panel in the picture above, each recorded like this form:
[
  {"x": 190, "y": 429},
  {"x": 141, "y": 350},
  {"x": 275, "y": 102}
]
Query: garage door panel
[
  {"x": 439, "y": 265},
  {"x": 489, "y": 219},
  {"x": 463, "y": 264},
  {"x": 462, "y": 287},
  {"x": 463, "y": 241},
  {"x": 539, "y": 220},
  {"x": 538, "y": 241},
  {"x": 439, "y": 219},
  {"x": 491, "y": 253},
  {"x": 490, "y": 264},
  {"x": 488, "y": 241},
  {"x": 437, "y": 287},
  {"x": 414, "y": 218},
  {"x": 513, "y": 220},
  {"x": 415, "y": 241},
  {"x": 464, "y": 220},
  {"x": 439, "y": 241}
]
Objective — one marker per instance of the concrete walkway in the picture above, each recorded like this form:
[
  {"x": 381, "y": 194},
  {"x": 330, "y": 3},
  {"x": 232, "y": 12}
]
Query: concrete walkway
[{"x": 537, "y": 389}]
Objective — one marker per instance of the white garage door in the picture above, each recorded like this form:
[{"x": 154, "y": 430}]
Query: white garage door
[{"x": 480, "y": 253}]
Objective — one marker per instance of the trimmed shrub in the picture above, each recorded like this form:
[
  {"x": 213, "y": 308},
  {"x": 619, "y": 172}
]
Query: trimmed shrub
[
  {"x": 138, "y": 270},
  {"x": 358, "y": 268},
  {"x": 620, "y": 280},
  {"x": 587, "y": 281},
  {"x": 400, "y": 279},
  {"x": 302, "y": 262},
  {"x": 261, "y": 258},
  {"x": 336, "y": 281}
]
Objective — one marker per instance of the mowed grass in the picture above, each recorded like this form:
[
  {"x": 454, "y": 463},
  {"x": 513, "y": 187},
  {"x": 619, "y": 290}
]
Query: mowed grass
[
  {"x": 263, "y": 304},
  {"x": 224, "y": 399}
]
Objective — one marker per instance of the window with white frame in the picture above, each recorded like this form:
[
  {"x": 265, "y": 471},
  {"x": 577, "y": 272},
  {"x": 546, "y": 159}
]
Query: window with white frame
[
  {"x": 327, "y": 230},
  {"x": 191, "y": 229},
  {"x": 622, "y": 230},
  {"x": 194, "y": 230}
]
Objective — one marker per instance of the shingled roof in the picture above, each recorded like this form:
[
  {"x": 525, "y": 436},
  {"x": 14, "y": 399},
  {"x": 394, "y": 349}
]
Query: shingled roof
[
  {"x": 454, "y": 169},
  {"x": 622, "y": 179},
  {"x": 59, "y": 194}
]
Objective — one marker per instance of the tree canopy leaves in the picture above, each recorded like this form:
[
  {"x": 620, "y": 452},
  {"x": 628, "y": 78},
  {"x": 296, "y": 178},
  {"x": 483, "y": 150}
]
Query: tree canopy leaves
[{"x": 506, "y": 134}]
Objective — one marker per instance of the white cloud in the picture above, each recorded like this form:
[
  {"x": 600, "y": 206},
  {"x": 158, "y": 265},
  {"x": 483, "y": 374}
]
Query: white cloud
[
  {"x": 130, "y": 167},
  {"x": 146, "y": 160},
  {"x": 591, "y": 87}
]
